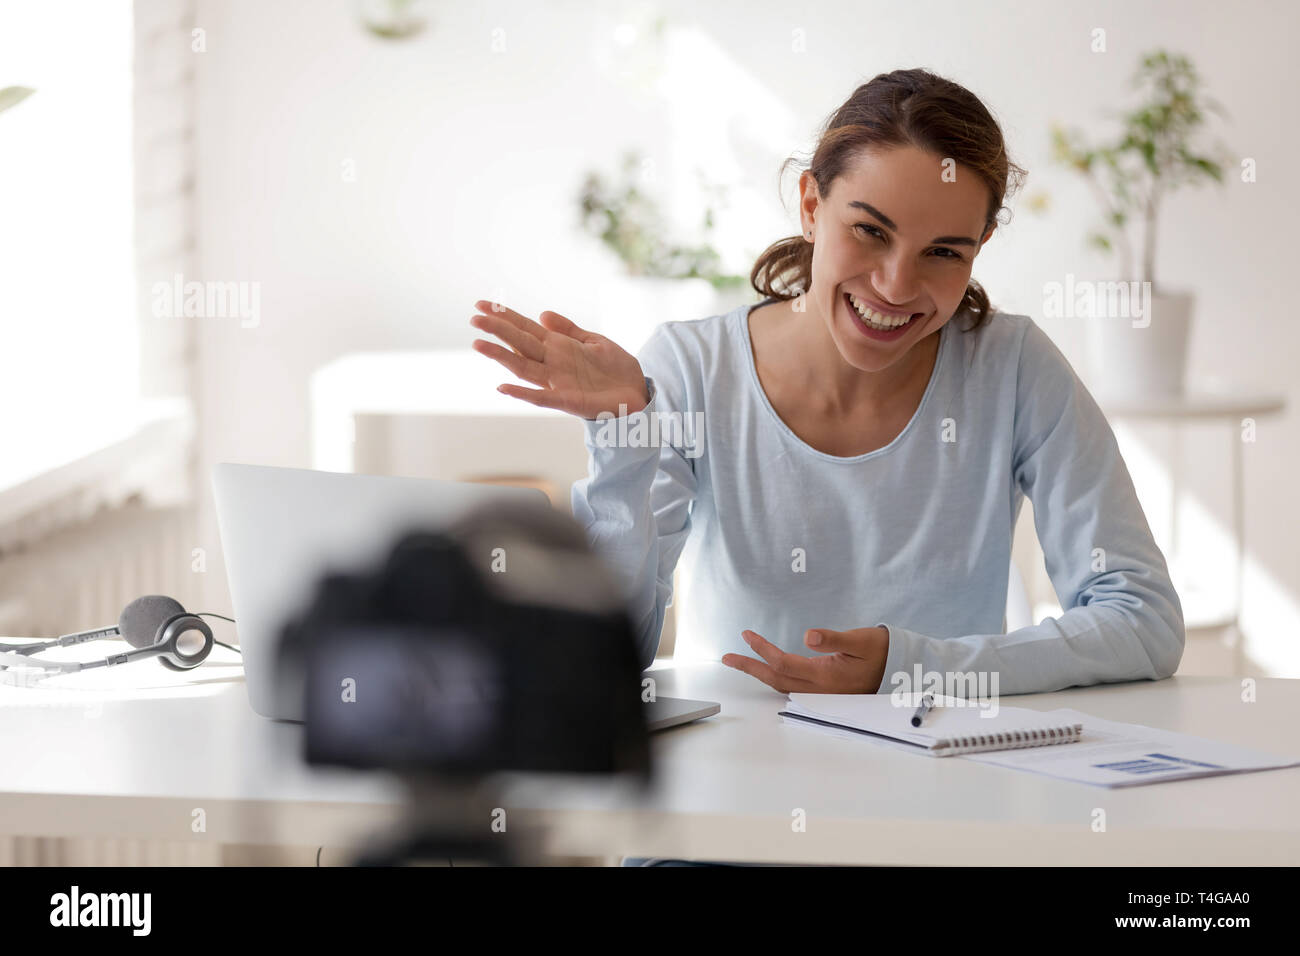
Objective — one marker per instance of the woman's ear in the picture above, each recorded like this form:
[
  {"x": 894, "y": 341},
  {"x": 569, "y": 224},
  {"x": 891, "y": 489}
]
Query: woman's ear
[{"x": 808, "y": 200}]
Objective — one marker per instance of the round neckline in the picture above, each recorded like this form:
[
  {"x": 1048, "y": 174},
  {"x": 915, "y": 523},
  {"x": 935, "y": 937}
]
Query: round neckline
[{"x": 747, "y": 341}]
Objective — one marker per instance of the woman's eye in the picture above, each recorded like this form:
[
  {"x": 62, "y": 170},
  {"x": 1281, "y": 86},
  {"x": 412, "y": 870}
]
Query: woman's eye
[{"x": 878, "y": 234}]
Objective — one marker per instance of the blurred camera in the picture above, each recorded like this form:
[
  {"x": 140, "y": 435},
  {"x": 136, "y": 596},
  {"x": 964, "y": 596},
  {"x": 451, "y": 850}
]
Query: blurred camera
[{"x": 500, "y": 643}]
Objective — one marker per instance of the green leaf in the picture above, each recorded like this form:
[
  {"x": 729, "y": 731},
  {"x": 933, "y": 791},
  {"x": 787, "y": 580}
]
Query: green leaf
[{"x": 13, "y": 95}]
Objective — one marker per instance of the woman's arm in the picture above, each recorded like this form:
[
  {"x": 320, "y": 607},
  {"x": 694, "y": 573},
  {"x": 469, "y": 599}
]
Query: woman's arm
[
  {"x": 1123, "y": 619},
  {"x": 635, "y": 502}
]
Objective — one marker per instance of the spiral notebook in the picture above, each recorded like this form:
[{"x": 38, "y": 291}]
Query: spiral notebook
[{"x": 953, "y": 726}]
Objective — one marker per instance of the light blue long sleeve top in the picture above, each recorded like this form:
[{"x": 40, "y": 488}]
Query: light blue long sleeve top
[{"x": 914, "y": 537}]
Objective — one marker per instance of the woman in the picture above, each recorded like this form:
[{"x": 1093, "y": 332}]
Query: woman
[{"x": 870, "y": 431}]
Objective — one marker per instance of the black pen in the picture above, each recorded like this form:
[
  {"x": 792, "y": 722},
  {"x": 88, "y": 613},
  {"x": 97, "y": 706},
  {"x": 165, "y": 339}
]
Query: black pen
[{"x": 926, "y": 703}]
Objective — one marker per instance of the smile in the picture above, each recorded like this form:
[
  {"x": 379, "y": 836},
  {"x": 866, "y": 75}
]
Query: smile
[{"x": 877, "y": 324}]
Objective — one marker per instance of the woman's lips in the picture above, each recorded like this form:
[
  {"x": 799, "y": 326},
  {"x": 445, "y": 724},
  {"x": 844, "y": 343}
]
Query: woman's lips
[
  {"x": 875, "y": 305},
  {"x": 879, "y": 335}
]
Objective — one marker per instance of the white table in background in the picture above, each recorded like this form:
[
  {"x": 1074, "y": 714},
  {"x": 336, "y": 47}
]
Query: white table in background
[{"x": 1219, "y": 407}]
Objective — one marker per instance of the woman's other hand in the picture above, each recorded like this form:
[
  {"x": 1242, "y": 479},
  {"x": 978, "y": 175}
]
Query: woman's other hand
[{"x": 854, "y": 662}]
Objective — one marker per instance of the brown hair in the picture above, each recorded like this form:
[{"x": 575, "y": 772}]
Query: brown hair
[{"x": 902, "y": 108}]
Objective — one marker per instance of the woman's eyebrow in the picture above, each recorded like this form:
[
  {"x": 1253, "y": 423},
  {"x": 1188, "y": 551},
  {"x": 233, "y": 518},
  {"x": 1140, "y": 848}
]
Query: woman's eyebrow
[{"x": 889, "y": 224}]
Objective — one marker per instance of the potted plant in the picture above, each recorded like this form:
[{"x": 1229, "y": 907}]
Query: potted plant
[
  {"x": 663, "y": 279},
  {"x": 13, "y": 95},
  {"x": 1136, "y": 357},
  {"x": 394, "y": 19}
]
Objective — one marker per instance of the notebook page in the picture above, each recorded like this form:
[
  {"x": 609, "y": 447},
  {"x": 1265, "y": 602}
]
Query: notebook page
[{"x": 1114, "y": 754}]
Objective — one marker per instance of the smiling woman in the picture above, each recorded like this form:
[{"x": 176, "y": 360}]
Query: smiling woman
[
  {"x": 962, "y": 147},
  {"x": 849, "y": 519}
]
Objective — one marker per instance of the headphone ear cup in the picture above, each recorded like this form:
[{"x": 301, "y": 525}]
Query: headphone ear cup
[
  {"x": 177, "y": 624},
  {"x": 142, "y": 621}
]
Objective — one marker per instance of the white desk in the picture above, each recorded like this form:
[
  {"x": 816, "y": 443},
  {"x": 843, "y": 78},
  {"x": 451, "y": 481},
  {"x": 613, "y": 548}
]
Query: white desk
[
  {"x": 95, "y": 764},
  {"x": 132, "y": 751}
]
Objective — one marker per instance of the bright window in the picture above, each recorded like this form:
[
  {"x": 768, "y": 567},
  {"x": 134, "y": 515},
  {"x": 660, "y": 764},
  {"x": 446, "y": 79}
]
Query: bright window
[{"x": 69, "y": 367}]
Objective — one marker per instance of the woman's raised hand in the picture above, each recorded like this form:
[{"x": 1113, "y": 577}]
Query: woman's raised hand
[{"x": 580, "y": 372}]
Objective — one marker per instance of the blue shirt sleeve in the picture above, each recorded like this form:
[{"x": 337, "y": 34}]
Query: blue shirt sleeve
[
  {"x": 635, "y": 502},
  {"x": 1122, "y": 619}
]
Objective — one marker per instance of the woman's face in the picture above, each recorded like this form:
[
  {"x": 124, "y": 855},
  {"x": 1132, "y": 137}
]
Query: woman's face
[{"x": 898, "y": 233}]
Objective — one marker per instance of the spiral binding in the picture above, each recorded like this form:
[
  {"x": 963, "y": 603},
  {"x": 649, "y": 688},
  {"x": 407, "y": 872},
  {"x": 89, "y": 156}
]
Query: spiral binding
[{"x": 1010, "y": 740}]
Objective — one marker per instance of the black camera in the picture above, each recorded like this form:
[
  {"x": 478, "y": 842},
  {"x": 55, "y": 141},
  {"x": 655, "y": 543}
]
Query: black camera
[{"x": 498, "y": 643}]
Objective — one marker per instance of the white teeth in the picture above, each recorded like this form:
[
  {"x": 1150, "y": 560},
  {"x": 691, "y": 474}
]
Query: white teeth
[{"x": 876, "y": 320}]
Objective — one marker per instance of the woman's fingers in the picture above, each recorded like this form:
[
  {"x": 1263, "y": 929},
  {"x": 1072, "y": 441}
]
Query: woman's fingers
[
  {"x": 521, "y": 322},
  {"x": 546, "y": 322},
  {"x": 788, "y": 665},
  {"x": 526, "y": 369},
  {"x": 558, "y": 323},
  {"x": 508, "y": 330},
  {"x": 545, "y": 398},
  {"x": 778, "y": 681}
]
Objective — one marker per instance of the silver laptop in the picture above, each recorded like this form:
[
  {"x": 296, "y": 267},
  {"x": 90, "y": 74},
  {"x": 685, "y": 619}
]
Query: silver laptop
[{"x": 282, "y": 528}]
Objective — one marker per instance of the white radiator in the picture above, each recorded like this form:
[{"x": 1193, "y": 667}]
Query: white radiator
[
  {"x": 52, "y": 851},
  {"x": 82, "y": 576},
  {"x": 107, "y": 851}
]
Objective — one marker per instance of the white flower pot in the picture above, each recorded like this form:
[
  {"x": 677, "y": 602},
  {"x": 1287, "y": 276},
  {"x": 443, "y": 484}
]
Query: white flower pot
[{"x": 1141, "y": 358}]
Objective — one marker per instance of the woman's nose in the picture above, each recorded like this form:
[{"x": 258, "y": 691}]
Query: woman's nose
[{"x": 894, "y": 286}]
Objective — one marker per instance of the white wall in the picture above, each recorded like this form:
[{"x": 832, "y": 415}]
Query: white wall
[{"x": 467, "y": 159}]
